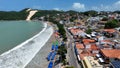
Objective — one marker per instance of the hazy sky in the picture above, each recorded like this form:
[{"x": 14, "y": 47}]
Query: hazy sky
[{"x": 79, "y": 5}]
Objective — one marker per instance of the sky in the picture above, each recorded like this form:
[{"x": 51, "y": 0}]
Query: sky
[{"x": 77, "y": 5}]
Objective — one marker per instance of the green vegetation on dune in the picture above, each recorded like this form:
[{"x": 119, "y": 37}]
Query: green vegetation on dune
[
  {"x": 90, "y": 13},
  {"x": 45, "y": 13},
  {"x": 13, "y": 15}
]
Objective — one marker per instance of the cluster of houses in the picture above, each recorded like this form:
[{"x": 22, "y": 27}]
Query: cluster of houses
[{"x": 99, "y": 49}]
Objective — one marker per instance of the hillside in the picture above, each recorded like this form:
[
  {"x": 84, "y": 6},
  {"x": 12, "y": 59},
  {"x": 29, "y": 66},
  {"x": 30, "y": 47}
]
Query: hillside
[{"x": 13, "y": 15}]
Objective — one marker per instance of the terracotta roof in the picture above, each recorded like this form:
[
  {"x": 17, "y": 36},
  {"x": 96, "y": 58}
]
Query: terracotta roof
[
  {"x": 111, "y": 53},
  {"x": 110, "y": 30},
  {"x": 79, "y": 46},
  {"x": 85, "y": 53},
  {"x": 88, "y": 41},
  {"x": 75, "y": 31},
  {"x": 94, "y": 47}
]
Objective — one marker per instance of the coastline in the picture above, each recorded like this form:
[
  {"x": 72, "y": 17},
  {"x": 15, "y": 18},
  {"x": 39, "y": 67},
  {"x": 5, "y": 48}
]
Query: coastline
[
  {"x": 40, "y": 61},
  {"x": 21, "y": 55},
  {"x": 25, "y": 42}
]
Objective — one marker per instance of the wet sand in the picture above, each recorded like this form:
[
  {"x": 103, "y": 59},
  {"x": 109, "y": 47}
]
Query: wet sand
[{"x": 40, "y": 61}]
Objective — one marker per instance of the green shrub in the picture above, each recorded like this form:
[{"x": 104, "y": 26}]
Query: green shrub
[{"x": 88, "y": 31}]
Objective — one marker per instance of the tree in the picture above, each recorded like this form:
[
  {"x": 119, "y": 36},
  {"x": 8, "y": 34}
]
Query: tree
[
  {"x": 112, "y": 24},
  {"x": 13, "y": 15},
  {"x": 105, "y": 19},
  {"x": 62, "y": 51},
  {"x": 88, "y": 31},
  {"x": 91, "y": 13}
]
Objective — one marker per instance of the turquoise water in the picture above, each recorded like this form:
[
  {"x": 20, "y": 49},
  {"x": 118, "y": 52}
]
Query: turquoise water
[{"x": 13, "y": 33}]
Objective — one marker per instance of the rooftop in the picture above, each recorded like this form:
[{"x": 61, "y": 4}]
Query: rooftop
[
  {"x": 107, "y": 42},
  {"x": 94, "y": 47},
  {"x": 109, "y": 30},
  {"x": 111, "y": 53},
  {"x": 88, "y": 41},
  {"x": 85, "y": 53},
  {"x": 91, "y": 63},
  {"x": 115, "y": 64},
  {"x": 79, "y": 46},
  {"x": 75, "y": 31}
]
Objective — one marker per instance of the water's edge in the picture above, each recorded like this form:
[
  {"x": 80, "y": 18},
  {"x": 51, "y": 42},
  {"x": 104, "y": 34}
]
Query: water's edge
[{"x": 21, "y": 55}]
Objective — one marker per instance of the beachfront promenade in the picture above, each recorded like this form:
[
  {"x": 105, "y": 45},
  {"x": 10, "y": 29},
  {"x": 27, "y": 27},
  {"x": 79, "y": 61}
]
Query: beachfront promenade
[{"x": 20, "y": 56}]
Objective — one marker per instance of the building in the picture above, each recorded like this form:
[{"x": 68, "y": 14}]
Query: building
[
  {"x": 90, "y": 62},
  {"x": 110, "y": 32},
  {"x": 115, "y": 64},
  {"x": 110, "y": 54}
]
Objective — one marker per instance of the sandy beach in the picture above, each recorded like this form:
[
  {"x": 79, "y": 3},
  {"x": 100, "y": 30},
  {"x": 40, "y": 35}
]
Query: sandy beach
[{"x": 39, "y": 61}]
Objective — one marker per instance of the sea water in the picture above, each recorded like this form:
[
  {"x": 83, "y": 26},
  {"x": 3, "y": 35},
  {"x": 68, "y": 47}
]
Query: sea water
[
  {"x": 13, "y": 33},
  {"x": 22, "y": 54}
]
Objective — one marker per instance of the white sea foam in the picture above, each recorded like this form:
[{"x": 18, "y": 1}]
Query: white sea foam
[{"x": 22, "y": 54}]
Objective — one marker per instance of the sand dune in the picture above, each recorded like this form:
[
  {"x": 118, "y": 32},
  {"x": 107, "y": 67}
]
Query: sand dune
[{"x": 31, "y": 13}]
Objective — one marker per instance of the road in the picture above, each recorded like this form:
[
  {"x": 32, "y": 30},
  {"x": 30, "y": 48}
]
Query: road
[{"x": 71, "y": 54}]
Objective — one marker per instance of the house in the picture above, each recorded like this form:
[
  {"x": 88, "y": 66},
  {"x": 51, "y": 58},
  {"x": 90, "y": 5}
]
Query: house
[
  {"x": 90, "y": 62},
  {"x": 110, "y": 54},
  {"x": 88, "y": 40},
  {"x": 78, "y": 49},
  {"x": 94, "y": 49},
  {"x": 79, "y": 45},
  {"x": 109, "y": 32},
  {"x": 115, "y": 64},
  {"x": 75, "y": 31},
  {"x": 84, "y": 53}
]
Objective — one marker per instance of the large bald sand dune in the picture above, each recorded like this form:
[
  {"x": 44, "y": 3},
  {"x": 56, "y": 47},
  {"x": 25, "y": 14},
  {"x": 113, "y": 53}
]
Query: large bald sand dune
[{"x": 31, "y": 13}]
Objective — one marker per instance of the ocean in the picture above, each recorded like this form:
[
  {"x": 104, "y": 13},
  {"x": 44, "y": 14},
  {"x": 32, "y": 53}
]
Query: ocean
[
  {"x": 13, "y": 33},
  {"x": 20, "y": 55}
]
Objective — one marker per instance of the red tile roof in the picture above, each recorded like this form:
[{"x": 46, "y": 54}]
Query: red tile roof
[
  {"x": 88, "y": 41},
  {"x": 109, "y": 30},
  {"x": 79, "y": 46},
  {"x": 94, "y": 47},
  {"x": 75, "y": 31},
  {"x": 85, "y": 53},
  {"x": 111, "y": 53}
]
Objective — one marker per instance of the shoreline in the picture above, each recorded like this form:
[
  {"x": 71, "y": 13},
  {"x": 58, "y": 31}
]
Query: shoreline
[
  {"x": 40, "y": 61},
  {"x": 23, "y": 43},
  {"x": 15, "y": 58}
]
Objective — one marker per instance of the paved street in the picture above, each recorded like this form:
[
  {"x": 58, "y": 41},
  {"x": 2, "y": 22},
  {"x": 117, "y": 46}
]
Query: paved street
[{"x": 71, "y": 54}]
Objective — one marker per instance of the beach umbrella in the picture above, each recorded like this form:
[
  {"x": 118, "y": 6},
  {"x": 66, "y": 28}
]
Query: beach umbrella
[
  {"x": 56, "y": 42},
  {"x": 50, "y": 64},
  {"x": 53, "y": 55},
  {"x": 52, "y": 47},
  {"x": 56, "y": 47},
  {"x": 49, "y": 56}
]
